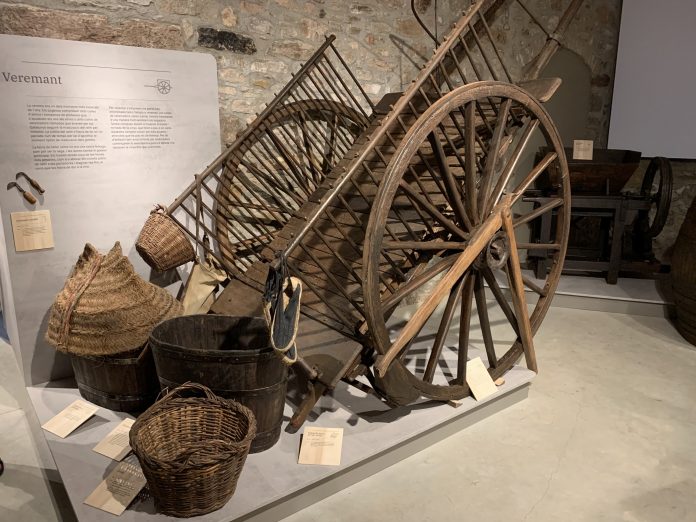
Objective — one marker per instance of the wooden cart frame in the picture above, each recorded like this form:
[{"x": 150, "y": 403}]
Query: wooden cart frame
[{"x": 372, "y": 204}]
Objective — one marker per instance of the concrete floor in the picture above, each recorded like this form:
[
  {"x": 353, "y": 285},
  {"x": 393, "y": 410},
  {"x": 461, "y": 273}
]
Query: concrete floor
[{"x": 607, "y": 434}]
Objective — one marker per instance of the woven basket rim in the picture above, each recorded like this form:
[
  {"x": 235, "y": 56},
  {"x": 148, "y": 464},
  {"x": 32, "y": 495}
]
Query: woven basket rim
[{"x": 171, "y": 407}]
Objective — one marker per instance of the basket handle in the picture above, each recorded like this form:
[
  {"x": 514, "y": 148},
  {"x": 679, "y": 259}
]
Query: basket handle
[
  {"x": 197, "y": 389},
  {"x": 159, "y": 208}
]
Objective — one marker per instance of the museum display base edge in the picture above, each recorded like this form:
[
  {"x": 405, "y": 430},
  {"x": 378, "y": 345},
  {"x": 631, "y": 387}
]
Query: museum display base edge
[{"x": 272, "y": 485}]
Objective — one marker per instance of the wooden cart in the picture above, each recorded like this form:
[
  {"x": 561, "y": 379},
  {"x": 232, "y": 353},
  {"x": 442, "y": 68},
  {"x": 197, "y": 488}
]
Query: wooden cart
[{"x": 373, "y": 204}]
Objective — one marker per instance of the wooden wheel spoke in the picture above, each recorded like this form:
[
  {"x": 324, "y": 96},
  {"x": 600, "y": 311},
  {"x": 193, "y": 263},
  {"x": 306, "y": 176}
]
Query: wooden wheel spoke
[
  {"x": 417, "y": 281},
  {"x": 465, "y": 327},
  {"x": 484, "y": 322},
  {"x": 464, "y": 260},
  {"x": 470, "y": 161},
  {"x": 500, "y": 297},
  {"x": 446, "y": 223},
  {"x": 493, "y": 155},
  {"x": 519, "y": 301},
  {"x": 532, "y": 285},
  {"x": 509, "y": 168},
  {"x": 423, "y": 245},
  {"x": 453, "y": 192},
  {"x": 442, "y": 331},
  {"x": 537, "y": 212},
  {"x": 533, "y": 174}
]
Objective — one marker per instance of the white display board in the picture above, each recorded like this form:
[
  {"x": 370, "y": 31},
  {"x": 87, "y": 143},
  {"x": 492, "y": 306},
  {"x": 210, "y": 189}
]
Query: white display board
[
  {"x": 653, "y": 110},
  {"x": 108, "y": 131}
]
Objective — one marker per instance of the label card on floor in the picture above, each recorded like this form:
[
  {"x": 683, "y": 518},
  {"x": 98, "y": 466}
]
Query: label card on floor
[
  {"x": 119, "y": 489},
  {"x": 321, "y": 446},
  {"x": 582, "y": 149},
  {"x": 70, "y": 418},
  {"x": 116, "y": 445},
  {"x": 479, "y": 380},
  {"x": 32, "y": 230}
]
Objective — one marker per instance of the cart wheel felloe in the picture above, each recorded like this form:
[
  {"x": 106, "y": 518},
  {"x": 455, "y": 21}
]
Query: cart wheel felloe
[
  {"x": 660, "y": 196},
  {"x": 451, "y": 207}
]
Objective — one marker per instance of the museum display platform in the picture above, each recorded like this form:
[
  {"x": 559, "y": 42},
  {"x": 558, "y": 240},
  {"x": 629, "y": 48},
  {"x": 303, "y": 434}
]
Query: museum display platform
[{"x": 272, "y": 484}]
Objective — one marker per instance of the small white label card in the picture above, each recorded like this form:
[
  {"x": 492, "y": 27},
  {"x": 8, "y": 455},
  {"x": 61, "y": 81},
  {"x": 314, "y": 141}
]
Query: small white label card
[
  {"x": 70, "y": 418},
  {"x": 321, "y": 446},
  {"x": 116, "y": 445},
  {"x": 479, "y": 380},
  {"x": 32, "y": 230},
  {"x": 119, "y": 488},
  {"x": 582, "y": 149}
]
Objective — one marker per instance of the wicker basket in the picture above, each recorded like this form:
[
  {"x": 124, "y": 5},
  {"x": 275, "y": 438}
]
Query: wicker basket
[
  {"x": 162, "y": 243},
  {"x": 192, "y": 449}
]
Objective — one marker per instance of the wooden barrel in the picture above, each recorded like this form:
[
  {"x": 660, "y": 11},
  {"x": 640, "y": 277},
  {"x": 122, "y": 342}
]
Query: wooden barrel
[
  {"x": 684, "y": 276},
  {"x": 230, "y": 355},
  {"x": 123, "y": 383}
]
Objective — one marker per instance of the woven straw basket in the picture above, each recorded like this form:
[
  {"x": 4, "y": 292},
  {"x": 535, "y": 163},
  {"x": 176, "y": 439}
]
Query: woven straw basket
[
  {"x": 105, "y": 308},
  {"x": 162, "y": 243},
  {"x": 192, "y": 449}
]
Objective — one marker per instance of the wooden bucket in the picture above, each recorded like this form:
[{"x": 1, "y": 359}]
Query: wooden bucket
[
  {"x": 125, "y": 382},
  {"x": 230, "y": 355},
  {"x": 684, "y": 276}
]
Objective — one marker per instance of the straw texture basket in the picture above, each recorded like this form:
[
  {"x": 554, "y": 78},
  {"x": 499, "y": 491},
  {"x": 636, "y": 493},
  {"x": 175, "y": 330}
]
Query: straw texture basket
[
  {"x": 192, "y": 449},
  {"x": 105, "y": 307},
  {"x": 162, "y": 243}
]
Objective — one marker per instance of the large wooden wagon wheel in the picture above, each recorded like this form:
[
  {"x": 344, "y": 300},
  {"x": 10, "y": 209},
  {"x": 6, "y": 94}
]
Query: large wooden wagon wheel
[
  {"x": 278, "y": 167},
  {"x": 451, "y": 196}
]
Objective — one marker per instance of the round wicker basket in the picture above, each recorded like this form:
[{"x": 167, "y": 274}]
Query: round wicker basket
[
  {"x": 192, "y": 446},
  {"x": 162, "y": 243}
]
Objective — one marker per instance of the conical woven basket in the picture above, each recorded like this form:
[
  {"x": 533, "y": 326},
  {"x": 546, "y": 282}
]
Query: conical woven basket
[{"x": 105, "y": 307}]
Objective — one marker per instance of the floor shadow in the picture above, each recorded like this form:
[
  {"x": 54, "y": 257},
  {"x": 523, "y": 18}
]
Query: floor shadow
[{"x": 25, "y": 480}]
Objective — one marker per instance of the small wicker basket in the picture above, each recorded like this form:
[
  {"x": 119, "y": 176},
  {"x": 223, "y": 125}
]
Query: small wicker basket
[
  {"x": 192, "y": 449},
  {"x": 162, "y": 243}
]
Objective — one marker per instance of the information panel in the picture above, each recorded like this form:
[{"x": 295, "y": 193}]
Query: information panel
[{"x": 107, "y": 131}]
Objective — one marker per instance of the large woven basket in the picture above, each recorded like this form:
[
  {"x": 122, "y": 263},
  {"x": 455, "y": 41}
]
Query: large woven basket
[
  {"x": 162, "y": 243},
  {"x": 192, "y": 449}
]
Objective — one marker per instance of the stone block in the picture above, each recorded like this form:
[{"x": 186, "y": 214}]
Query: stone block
[
  {"x": 269, "y": 67},
  {"x": 408, "y": 27},
  {"x": 179, "y": 7},
  {"x": 253, "y": 8},
  {"x": 312, "y": 29},
  {"x": 229, "y": 19},
  {"x": 294, "y": 49},
  {"x": 225, "y": 41},
  {"x": 257, "y": 25},
  {"x": 359, "y": 9}
]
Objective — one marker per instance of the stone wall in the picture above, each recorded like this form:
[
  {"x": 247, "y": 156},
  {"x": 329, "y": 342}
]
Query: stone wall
[{"x": 258, "y": 43}]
